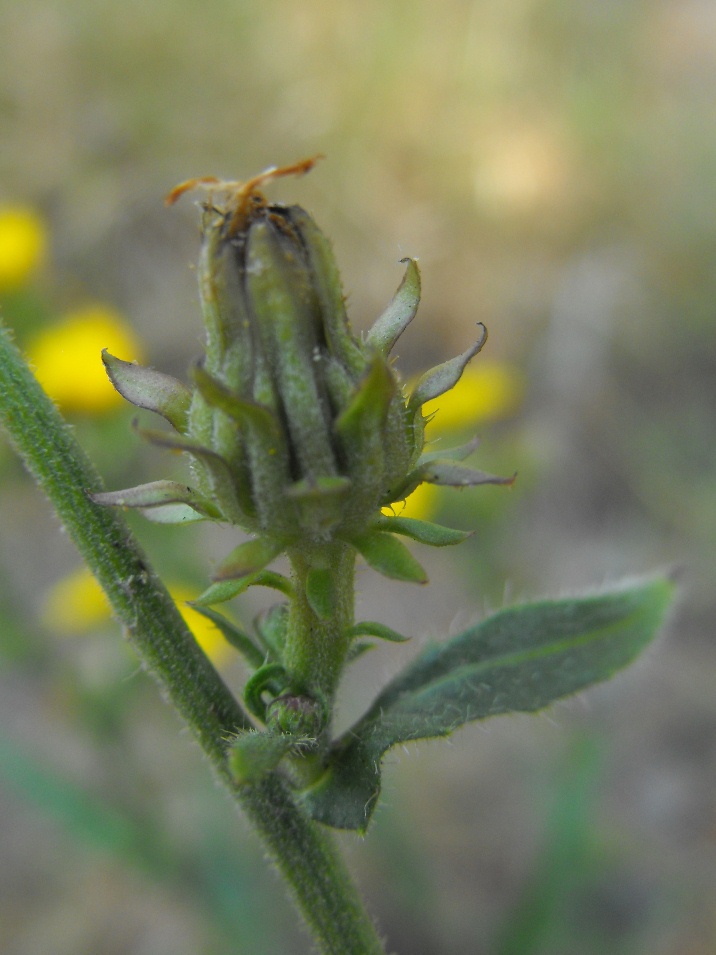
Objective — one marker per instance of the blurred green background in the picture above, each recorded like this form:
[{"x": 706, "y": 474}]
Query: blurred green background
[{"x": 552, "y": 164}]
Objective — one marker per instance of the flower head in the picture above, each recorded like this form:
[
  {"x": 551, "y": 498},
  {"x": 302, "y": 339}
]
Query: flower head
[{"x": 299, "y": 431}]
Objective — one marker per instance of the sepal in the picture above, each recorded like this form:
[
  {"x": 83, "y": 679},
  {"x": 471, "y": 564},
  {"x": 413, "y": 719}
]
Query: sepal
[
  {"x": 224, "y": 590},
  {"x": 443, "y": 377},
  {"x": 400, "y": 312},
  {"x": 158, "y": 494},
  {"x": 369, "y": 628},
  {"x": 455, "y": 475},
  {"x": 220, "y": 475},
  {"x": 150, "y": 390},
  {"x": 424, "y": 532},
  {"x": 386, "y": 554},
  {"x": 248, "y": 558}
]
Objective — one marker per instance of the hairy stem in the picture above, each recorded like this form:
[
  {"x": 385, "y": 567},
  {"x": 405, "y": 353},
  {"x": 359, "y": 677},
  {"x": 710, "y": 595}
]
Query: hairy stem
[{"x": 305, "y": 854}]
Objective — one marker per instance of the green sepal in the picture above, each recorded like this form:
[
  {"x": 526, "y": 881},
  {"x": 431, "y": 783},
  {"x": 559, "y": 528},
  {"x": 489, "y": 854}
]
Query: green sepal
[
  {"x": 521, "y": 659},
  {"x": 327, "y": 286},
  {"x": 425, "y": 532},
  {"x": 272, "y": 678},
  {"x": 254, "y": 755},
  {"x": 257, "y": 417},
  {"x": 150, "y": 390},
  {"x": 172, "y": 514},
  {"x": 450, "y": 454},
  {"x": 368, "y": 406},
  {"x": 386, "y": 554},
  {"x": 239, "y": 640},
  {"x": 399, "y": 313},
  {"x": 319, "y": 501},
  {"x": 224, "y": 590},
  {"x": 220, "y": 476},
  {"x": 443, "y": 377},
  {"x": 369, "y": 628},
  {"x": 157, "y": 494},
  {"x": 248, "y": 558},
  {"x": 321, "y": 592},
  {"x": 287, "y": 319},
  {"x": 455, "y": 475}
]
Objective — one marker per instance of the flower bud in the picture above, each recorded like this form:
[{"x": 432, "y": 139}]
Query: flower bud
[{"x": 299, "y": 432}]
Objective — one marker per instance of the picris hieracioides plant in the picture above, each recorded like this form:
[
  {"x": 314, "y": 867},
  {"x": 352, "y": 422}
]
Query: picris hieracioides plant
[{"x": 300, "y": 433}]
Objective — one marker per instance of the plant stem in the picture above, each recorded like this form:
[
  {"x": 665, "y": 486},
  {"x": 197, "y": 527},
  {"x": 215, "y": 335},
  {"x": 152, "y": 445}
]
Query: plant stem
[
  {"x": 316, "y": 648},
  {"x": 306, "y": 856}
]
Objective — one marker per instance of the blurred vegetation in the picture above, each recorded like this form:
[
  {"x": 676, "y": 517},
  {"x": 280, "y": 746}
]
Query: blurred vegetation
[{"x": 552, "y": 164}]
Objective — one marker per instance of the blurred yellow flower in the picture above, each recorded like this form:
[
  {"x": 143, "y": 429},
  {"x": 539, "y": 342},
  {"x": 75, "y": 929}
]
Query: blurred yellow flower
[
  {"x": 67, "y": 358},
  {"x": 77, "y": 604},
  {"x": 23, "y": 242},
  {"x": 489, "y": 391}
]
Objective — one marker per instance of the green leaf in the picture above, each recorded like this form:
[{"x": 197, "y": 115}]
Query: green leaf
[
  {"x": 369, "y": 628},
  {"x": 520, "y": 659},
  {"x": 248, "y": 558},
  {"x": 321, "y": 591},
  {"x": 385, "y": 553},
  {"x": 239, "y": 640},
  {"x": 224, "y": 590},
  {"x": 423, "y": 531},
  {"x": 399, "y": 314},
  {"x": 149, "y": 389},
  {"x": 444, "y": 377}
]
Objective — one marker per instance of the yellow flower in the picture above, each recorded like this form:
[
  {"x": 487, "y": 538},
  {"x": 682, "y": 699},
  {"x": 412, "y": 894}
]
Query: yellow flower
[
  {"x": 67, "y": 358},
  {"x": 77, "y": 604},
  {"x": 489, "y": 391},
  {"x": 23, "y": 242}
]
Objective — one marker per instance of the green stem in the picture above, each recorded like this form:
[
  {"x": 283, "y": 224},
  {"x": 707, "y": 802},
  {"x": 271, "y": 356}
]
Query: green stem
[
  {"x": 315, "y": 650},
  {"x": 306, "y": 856}
]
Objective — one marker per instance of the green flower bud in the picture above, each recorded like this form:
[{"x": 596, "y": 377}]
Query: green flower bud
[
  {"x": 312, "y": 422},
  {"x": 298, "y": 431}
]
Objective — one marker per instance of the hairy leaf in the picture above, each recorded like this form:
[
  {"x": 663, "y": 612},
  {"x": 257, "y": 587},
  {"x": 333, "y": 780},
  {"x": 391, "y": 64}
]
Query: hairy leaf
[{"x": 520, "y": 659}]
